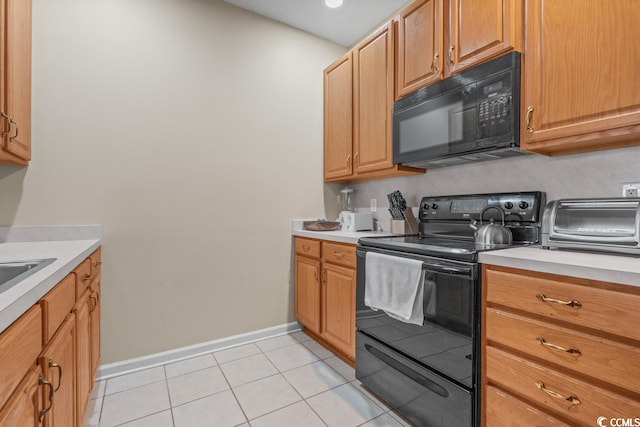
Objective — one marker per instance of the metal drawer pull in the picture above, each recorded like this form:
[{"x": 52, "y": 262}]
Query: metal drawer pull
[
  {"x": 55, "y": 365},
  {"x": 43, "y": 412},
  {"x": 528, "y": 119},
  {"x": 86, "y": 277},
  {"x": 305, "y": 248},
  {"x": 572, "y": 303},
  {"x": 5, "y": 116},
  {"x": 338, "y": 255},
  {"x": 574, "y": 351},
  {"x": 97, "y": 263},
  {"x": 451, "y": 59},
  {"x": 436, "y": 66},
  {"x": 11, "y": 138},
  {"x": 573, "y": 400}
]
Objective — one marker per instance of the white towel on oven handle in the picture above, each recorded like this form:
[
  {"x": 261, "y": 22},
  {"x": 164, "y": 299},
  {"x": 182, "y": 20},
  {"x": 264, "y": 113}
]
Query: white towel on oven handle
[{"x": 395, "y": 285}]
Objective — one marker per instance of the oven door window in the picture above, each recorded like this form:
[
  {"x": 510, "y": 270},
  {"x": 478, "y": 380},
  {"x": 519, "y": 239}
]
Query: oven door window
[{"x": 445, "y": 341}]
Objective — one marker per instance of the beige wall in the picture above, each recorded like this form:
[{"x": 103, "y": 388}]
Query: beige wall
[{"x": 192, "y": 131}]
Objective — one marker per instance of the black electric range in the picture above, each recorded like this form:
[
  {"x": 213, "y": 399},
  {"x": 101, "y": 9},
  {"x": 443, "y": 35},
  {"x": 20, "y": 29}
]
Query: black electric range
[{"x": 430, "y": 372}]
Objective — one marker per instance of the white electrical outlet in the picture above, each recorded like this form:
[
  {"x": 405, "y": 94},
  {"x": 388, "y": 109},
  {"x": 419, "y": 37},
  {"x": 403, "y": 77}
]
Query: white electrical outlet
[
  {"x": 374, "y": 205},
  {"x": 631, "y": 189}
]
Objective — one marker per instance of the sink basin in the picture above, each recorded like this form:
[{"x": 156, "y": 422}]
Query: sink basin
[{"x": 12, "y": 273}]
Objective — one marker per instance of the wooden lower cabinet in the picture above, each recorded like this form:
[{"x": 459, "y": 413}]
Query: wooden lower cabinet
[
  {"x": 58, "y": 363},
  {"x": 557, "y": 350},
  {"x": 338, "y": 309},
  {"x": 25, "y": 406},
  {"x": 50, "y": 355},
  {"x": 84, "y": 381},
  {"x": 325, "y": 293}
]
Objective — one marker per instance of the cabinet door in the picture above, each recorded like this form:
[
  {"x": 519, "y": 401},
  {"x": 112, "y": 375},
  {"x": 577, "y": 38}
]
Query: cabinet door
[
  {"x": 94, "y": 320},
  {"x": 482, "y": 29},
  {"x": 58, "y": 363},
  {"x": 373, "y": 61},
  {"x": 419, "y": 51},
  {"x": 338, "y": 119},
  {"x": 581, "y": 88},
  {"x": 307, "y": 305},
  {"x": 83, "y": 355},
  {"x": 25, "y": 406},
  {"x": 15, "y": 97},
  {"x": 339, "y": 316}
]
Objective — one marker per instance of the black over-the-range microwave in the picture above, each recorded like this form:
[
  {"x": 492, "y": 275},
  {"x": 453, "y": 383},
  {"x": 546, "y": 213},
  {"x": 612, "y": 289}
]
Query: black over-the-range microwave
[{"x": 468, "y": 117}]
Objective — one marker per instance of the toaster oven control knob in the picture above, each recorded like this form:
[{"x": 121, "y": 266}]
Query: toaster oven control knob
[
  {"x": 434, "y": 206},
  {"x": 508, "y": 205},
  {"x": 523, "y": 205}
]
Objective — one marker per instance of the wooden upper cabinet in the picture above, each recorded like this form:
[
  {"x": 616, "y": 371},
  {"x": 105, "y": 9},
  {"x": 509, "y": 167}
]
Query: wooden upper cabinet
[
  {"x": 373, "y": 64},
  {"x": 15, "y": 81},
  {"x": 419, "y": 54},
  {"x": 338, "y": 119},
  {"x": 482, "y": 29},
  {"x": 581, "y": 88}
]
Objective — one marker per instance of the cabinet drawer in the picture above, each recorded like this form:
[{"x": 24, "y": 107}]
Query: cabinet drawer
[
  {"x": 552, "y": 390},
  {"x": 604, "y": 310},
  {"x": 504, "y": 410},
  {"x": 83, "y": 277},
  {"x": 57, "y": 304},
  {"x": 604, "y": 359},
  {"x": 308, "y": 247},
  {"x": 96, "y": 262},
  {"x": 20, "y": 345},
  {"x": 339, "y": 254}
]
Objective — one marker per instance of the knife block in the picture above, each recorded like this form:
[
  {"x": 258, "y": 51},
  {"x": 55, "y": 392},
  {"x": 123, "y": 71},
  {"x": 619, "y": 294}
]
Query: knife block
[{"x": 409, "y": 225}]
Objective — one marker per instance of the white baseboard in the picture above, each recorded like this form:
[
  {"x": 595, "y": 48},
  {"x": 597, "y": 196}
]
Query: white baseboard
[{"x": 158, "y": 359}]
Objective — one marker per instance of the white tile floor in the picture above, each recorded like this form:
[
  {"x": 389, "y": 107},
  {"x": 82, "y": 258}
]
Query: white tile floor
[{"x": 285, "y": 381}]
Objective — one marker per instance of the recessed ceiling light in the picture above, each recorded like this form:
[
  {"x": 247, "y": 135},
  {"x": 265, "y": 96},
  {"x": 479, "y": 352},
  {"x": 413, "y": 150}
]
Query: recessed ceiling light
[{"x": 333, "y": 3}]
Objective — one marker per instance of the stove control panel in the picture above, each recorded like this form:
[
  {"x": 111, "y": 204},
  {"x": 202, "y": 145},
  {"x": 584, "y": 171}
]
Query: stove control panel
[{"x": 517, "y": 207}]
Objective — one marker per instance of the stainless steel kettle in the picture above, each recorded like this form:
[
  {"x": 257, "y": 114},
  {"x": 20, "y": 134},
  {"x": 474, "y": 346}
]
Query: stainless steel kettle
[{"x": 491, "y": 234}]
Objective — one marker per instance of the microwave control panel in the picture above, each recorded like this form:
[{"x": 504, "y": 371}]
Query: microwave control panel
[{"x": 495, "y": 107}]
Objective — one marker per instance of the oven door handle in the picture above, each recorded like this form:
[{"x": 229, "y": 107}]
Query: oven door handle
[
  {"x": 408, "y": 372},
  {"x": 445, "y": 269}
]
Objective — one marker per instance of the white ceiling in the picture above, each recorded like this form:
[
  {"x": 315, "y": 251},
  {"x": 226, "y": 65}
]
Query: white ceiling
[{"x": 344, "y": 25}]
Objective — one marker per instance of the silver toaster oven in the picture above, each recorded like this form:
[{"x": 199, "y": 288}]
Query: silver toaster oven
[{"x": 604, "y": 225}]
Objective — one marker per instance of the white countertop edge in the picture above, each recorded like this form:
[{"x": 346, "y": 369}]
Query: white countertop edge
[
  {"x": 334, "y": 236},
  {"x": 603, "y": 267},
  {"x": 39, "y": 233},
  {"x": 17, "y": 300}
]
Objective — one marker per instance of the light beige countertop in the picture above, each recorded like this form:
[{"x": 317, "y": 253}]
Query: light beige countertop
[
  {"x": 334, "y": 236},
  {"x": 68, "y": 251},
  {"x": 604, "y": 267}
]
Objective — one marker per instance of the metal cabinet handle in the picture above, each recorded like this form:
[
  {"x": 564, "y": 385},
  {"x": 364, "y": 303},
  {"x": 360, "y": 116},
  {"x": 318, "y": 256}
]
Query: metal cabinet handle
[
  {"x": 451, "y": 49},
  {"x": 573, "y": 400},
  {"x": 306, "y": 248},
  {"x": 97, "y": 263},
  {"x": 572, "y": 303},
  {"x": 528, "y": 118},
  {"x": 574, "y": 351},
  {"x": 324, "y": 276},
  {"x": 55, "y": 365},
  {"x": 86, "y": 277},
  {"x": 338, "y": 255},
  {"x": 11, "y": 138},
  {"x": 435, "y": 65},
  {"x": 349, "y": 160},
  {"x": 94, "y": 300},
  {"x": 315, "y": 274},
  {"x": 43, "y": 412},
  {"x": 356, "y": 158}
]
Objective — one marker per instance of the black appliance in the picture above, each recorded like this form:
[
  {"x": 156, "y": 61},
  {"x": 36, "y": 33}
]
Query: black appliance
[
  {"x": 430, "y": 373},
  {"x": 468, "y": 117}
]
